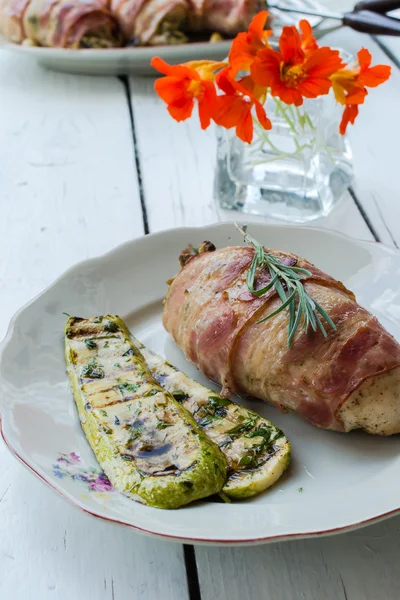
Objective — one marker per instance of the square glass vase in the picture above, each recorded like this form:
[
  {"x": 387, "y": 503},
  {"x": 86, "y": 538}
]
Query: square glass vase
[{"x": 298, "y": 171}]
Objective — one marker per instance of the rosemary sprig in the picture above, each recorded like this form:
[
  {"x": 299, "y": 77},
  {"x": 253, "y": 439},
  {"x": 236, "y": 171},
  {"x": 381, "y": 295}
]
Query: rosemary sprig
[{"x": 288, "y": 283}]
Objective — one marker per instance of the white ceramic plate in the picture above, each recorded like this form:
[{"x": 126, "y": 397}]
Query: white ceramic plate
[
  {"x": 118, "y": 61},
  {"x": 347, "y": 480},
  {"x": 121, "y": 61}
]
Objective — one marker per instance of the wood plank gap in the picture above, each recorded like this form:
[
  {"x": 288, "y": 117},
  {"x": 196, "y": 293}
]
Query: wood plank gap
[
  {"x": 364, "y": 215},
  {"x": 191, "y": 572},
  {"x": 395, "y": 60},
  {"x": 125, "y": 82}
]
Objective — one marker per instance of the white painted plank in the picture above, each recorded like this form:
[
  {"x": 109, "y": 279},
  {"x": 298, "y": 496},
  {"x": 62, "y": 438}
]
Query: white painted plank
[
  {"x": 374, "y": 139},
  {"x": 68, "y": 184},
  {"x": 68, "y": 191},
  {"x": 49, "y": 550},
  {"x": 356, "y": 566},
  {"x": 178, "y": 170}
]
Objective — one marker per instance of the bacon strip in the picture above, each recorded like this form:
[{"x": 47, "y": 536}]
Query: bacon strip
[
  {"x": 212, "y": 316},
  {"x": 11, "y": 16},
  {"x": 141, "y": 19},
  {"x": 57, "y": 23},
  {"x": 225, "y": 16}
]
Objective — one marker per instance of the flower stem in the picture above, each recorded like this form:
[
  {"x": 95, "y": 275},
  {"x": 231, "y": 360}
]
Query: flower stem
[{"x": 281, "y": 110}]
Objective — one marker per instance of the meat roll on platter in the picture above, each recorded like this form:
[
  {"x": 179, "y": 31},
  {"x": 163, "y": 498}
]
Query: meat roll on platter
[
  {"x": 60, "y": 23},
  {"x": 116, "y": 23},
  {"x": 318, "y": 354}
]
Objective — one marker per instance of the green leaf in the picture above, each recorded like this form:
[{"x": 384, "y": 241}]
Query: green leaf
[
  {"x": 288, "y": 283},
  {"x": 279, "y": 309},
  {"x": 90, "y": 344},
  {"x": 219, "y": 401},
  {"x": 129, "y": 387}
]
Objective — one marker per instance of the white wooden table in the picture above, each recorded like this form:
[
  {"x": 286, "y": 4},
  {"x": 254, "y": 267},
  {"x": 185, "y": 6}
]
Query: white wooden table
[{"x": 85, "y": 164}]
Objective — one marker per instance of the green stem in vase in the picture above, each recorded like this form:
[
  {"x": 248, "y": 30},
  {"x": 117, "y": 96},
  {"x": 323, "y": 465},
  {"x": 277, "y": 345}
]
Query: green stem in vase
[{"x": 281, "y": 110}]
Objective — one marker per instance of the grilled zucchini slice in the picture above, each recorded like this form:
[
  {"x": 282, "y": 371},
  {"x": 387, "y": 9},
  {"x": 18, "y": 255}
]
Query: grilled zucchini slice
[
  {"x": 147, "y": 443},
  {"x": 257, "y": 451}
]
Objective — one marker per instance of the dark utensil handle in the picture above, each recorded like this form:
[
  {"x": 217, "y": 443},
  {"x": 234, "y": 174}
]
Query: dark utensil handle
[
  {"x": 369, "y": 22},
  {"x": 378, "y": 6}
]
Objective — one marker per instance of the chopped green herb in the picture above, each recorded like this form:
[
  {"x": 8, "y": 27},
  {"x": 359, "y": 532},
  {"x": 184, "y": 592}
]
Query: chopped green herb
[
  {"x": 219, "y": 401},
  {"x": 163, "y": 425},
  {"x": 118, "y": 365},
  {"x": 180, "y": 395},
  {"x": 98, "y": 320},
  {"x": 151, "y": 393},
  {"x": 287, "y": 280},
  {"x": 226, "y": 443},
  {"x": 171, "y": 366},
  {"x": 106, "y": 344},
  {"x": 103, "y": 413},
  {"x": 90, "y": 344},
  {"x": 135, "y": 431},
  {"x": 111, "y": 326},
  {"x": 242, "y": 427},
  {"x": 126, "y": 457},
  {"x": 206, "y": 420},
  {"x": 129, "y": 352},
  {"x": 300, "y": 489},
  {"x": 263, "y": 431},
  {"x": 67, "y": 314},
  {"x": 92, "y": 370},
  {"x": 129, "y": 387},
  {"x": 245, "y": 461}
]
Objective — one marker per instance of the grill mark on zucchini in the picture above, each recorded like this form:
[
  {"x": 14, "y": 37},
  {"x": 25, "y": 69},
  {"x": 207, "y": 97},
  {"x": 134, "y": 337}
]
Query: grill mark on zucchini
[
  {"x": 121, "y": 411},
  {"x": 257, "y": 452}
]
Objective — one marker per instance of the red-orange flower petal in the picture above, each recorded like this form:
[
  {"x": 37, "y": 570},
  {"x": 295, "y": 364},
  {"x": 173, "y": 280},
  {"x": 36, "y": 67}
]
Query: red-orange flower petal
[
  {"x": 371, "y": 76},
  {"x": 246, "y": 45},
  {"x": 349, "y": 116},
  {"x": 262, "y": 116},
  {"x": 306, "y": 75},
  {"x": 323, "y": 62},
  {"x": 234, "y": 109},
  {"x": 183, "y": 84},
  {"x": 266, "y": 67},
  {"x": 207, "y": 104},
  {"x": 290, "y": 45},
  {"x": 308, "y": 41}
]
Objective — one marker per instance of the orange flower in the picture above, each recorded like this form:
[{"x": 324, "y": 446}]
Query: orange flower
[
  {"x": 308, "y": 41},
  {"x": 234, "y": 108},
  {"x": 350, "y": 85},
  {"x": 293, "y": 73},
  {"x": 185, "y": 83},
  {"x": 349, "y": 116},
  {"x": 246, "y": 45}
]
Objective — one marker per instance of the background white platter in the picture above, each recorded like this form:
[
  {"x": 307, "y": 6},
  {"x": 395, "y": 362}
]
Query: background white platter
[{"x": 124, "y": 61}]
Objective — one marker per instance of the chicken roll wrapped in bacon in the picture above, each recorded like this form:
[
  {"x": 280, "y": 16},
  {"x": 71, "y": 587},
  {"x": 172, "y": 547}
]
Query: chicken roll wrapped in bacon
[
  {"x": 60, "y": 23},
  {"x": 11, "y": 15},
  {"x": 349, "y": 379},
  {"x": 228, "y": 17},
  {"x": 152, "y": 22}
]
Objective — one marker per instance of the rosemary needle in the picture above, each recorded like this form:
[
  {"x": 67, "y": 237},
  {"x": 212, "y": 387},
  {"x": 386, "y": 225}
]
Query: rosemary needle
[{"x": 288, "y": 283}]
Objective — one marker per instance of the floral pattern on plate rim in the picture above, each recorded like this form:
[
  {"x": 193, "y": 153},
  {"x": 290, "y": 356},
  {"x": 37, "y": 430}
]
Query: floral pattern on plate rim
[{"x": 69, "y": 465}]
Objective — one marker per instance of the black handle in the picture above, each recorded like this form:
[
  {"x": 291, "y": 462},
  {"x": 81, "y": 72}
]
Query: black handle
[
  {"x": 369, "y": 22},
  {"x": 378, "y": 6}
]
